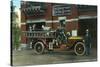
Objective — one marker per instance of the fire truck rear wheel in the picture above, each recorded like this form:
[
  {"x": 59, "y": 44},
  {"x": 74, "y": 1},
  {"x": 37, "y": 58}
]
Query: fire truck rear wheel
[
  {"x": 79, "y": 48},
  {"x": 39, "y": 48}
]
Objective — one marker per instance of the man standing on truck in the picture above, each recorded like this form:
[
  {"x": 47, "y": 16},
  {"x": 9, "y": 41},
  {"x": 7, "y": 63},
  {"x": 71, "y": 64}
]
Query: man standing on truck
[{"x": 87, "y": 42}]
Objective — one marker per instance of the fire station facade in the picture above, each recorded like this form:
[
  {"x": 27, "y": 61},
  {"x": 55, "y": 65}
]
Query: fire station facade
[{"x": 77, "y": 17}]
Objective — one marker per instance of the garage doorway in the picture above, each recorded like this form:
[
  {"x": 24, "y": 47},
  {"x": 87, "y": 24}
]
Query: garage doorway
[{"x": 90, "y": 24}]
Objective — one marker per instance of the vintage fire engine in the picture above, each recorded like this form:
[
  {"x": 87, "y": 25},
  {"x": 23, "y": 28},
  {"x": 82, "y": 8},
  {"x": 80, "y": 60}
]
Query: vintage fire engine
[{"x": 44, "y": 38}]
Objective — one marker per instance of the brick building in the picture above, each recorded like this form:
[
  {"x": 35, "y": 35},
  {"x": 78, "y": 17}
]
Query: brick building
[{"x": 75, "y": 16}]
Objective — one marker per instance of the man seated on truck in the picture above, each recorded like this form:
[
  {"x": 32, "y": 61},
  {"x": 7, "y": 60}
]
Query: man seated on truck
[
  {"x": 61, "y": 36},
  {"x": 39, "y": 26}
]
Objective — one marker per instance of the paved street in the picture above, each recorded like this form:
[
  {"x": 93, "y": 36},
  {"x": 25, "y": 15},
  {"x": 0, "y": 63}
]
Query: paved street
[{"x": 28, "y": 57}]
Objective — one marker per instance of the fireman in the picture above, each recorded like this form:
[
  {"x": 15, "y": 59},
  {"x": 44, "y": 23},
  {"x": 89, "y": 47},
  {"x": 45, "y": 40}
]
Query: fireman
[
  {"x": 62, "y": 34},
  {"x": 87, "y": 42}
]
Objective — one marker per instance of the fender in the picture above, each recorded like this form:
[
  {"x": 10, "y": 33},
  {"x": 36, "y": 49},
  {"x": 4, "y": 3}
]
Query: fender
[{"x": 43, "y": 41}]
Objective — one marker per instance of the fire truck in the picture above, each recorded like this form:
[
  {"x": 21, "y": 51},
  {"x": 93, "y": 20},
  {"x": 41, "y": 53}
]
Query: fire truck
[{"x": 45, "y": 38}]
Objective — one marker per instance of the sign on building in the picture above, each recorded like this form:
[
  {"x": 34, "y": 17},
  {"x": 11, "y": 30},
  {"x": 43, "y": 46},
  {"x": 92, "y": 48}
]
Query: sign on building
[{"x": 61, "y": 10}]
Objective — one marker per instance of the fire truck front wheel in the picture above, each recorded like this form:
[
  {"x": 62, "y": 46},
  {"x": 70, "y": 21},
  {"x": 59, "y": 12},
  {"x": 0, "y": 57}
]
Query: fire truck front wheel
[
  {"x": 79, "y": 48},
  {"x": 39, "y": 47}
]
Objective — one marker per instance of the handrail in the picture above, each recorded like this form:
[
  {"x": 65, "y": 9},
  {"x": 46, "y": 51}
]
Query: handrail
[{"x": 39, "y": 34}]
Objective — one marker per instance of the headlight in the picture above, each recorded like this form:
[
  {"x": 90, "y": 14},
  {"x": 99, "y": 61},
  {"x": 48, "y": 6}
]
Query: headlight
[{"x": 83, "y": 40}]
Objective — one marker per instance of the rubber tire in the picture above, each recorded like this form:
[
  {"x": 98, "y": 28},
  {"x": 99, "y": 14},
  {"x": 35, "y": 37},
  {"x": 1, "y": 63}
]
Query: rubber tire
[
  {"x": 77, "y": 44},
  {"x": 42, "y": 47}
]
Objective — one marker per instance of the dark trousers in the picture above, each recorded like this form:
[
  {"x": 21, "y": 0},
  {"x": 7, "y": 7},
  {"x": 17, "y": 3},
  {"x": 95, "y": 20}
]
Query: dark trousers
[{"x": 87, "y": 50}]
